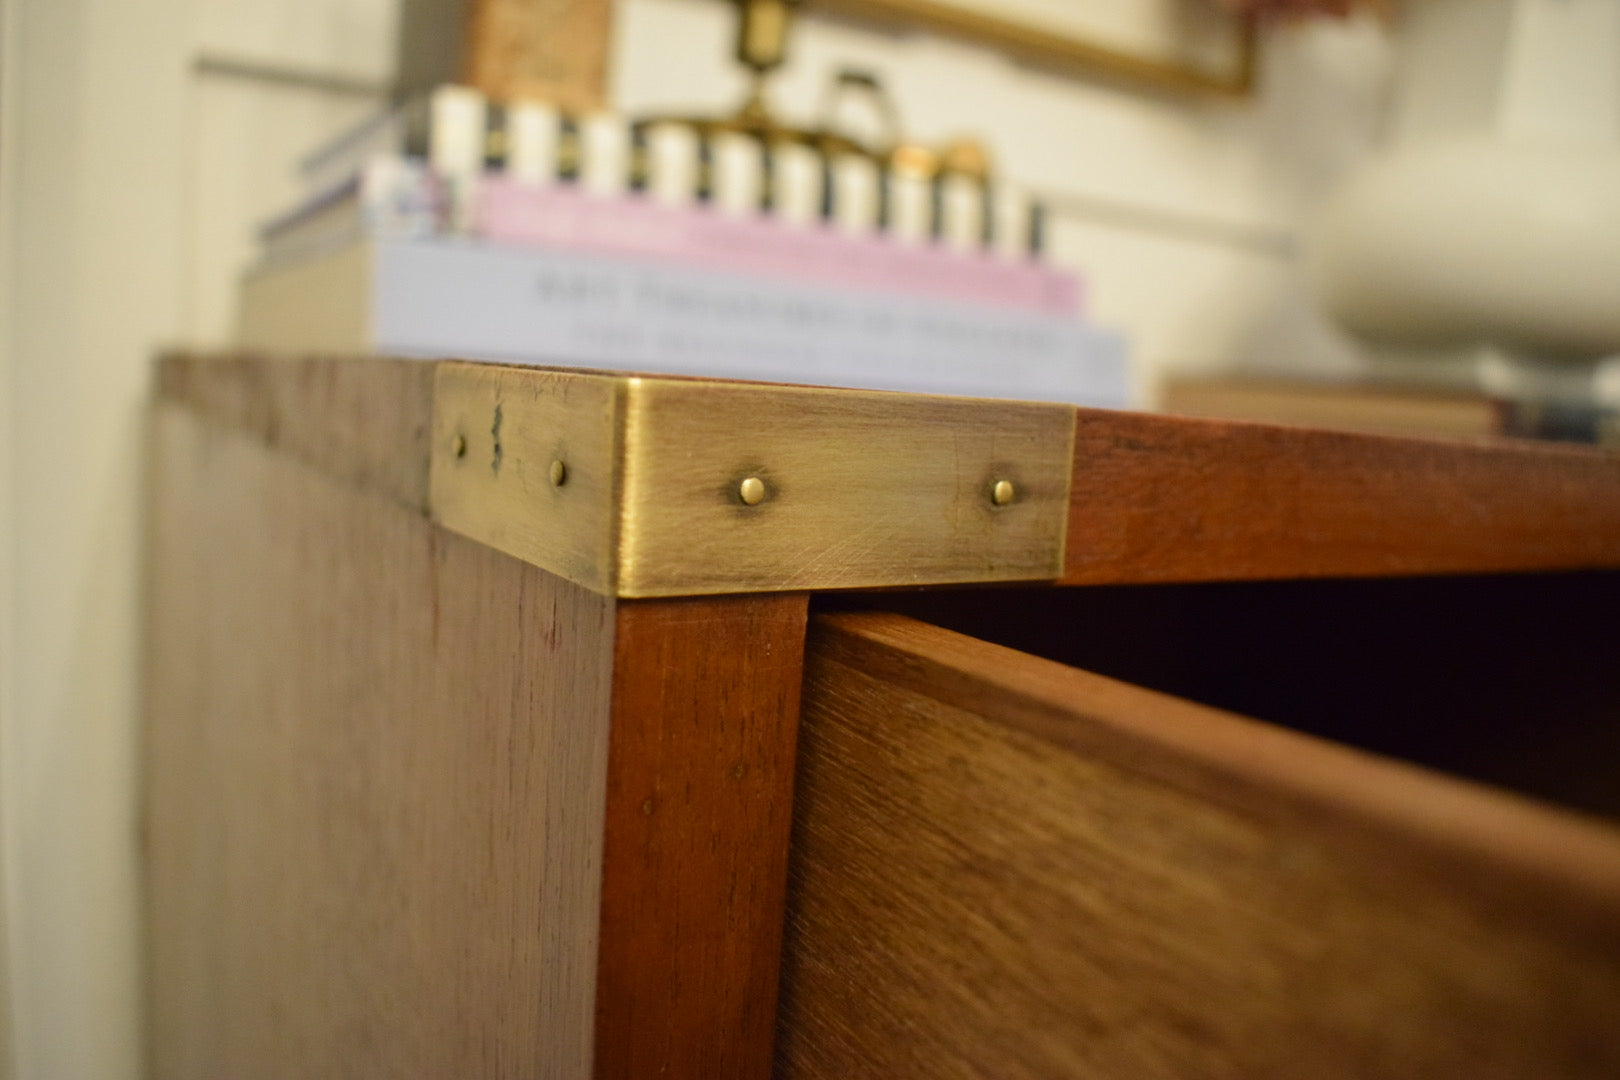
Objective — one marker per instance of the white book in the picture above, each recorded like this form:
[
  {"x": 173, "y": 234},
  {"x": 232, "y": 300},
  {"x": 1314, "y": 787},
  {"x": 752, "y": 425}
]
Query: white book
[{"x": 437, "y": 297}]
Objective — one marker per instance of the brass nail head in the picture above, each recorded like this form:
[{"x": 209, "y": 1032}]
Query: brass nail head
[
  {"x": 559, "y": 473},
  {"x": 1002, "y": 493},
  {"x": 752, "y": 491},
  {"x": 458, "y": 446}
]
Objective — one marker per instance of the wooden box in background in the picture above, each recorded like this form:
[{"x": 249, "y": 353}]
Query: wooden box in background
[{"x": 551, "y": 50}]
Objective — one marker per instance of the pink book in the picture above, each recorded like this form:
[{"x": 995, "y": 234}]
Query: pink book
[{"x": 562, "y": 216}]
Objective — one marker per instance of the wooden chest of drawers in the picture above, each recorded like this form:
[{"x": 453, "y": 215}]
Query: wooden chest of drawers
[{"x": 514, "y": 722}]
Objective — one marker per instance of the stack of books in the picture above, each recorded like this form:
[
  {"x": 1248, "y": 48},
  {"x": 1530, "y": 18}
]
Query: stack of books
[{"x": 453, "y": 227}]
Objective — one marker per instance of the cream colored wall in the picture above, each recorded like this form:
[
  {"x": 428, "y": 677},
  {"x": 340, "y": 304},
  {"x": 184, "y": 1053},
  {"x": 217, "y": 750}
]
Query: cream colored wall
[
  {"x": 8, "y": 155},
  {"x": 129, "y": 183},
  {"x": 93, "y": 194},
  {"x": 247, "y": 133}
]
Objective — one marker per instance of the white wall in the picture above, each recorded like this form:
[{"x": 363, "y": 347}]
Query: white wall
[{"x": 129, "y": 185}]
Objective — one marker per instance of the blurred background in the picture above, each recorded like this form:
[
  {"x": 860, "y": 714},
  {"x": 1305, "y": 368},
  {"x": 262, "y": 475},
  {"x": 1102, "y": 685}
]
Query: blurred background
[{"x": 142, "y": 141}]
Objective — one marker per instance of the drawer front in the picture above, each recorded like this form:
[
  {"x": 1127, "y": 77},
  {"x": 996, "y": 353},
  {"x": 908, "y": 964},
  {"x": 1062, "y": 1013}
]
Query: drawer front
[{"x": 1007, "y": 867}]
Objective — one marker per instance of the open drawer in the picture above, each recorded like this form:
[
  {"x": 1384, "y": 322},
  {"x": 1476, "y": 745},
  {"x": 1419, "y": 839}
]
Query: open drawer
[
  {"x": 1006, "y": 866},
  {"x": 476, "y": 696}
]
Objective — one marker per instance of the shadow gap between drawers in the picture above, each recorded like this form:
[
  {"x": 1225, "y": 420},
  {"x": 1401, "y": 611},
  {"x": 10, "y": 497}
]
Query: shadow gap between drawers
[{"x": 1509, "y": 680}]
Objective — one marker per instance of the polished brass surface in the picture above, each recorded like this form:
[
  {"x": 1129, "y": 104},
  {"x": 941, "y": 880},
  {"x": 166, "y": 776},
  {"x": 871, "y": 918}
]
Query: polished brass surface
[
  {"x": 516, "y": 422},
  {"x": 966, "y": 157},
  {"x": 762, "y": 32},
  {"x": 689, "y": 486},
  {"x": 1002, "y": 493}
]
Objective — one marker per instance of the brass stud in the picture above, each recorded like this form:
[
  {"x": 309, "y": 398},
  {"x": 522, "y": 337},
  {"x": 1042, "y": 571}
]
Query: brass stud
[
  {"x": 1002, "y": 492},
  {"x": 559, "y": 473},
  {"x": 458, "y": 446},
  {"x": 751, "y": 491}
]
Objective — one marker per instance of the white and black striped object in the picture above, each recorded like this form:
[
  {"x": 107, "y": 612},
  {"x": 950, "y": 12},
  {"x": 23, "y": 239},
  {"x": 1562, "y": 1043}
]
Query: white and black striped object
[{"x": 738, "y": 174}]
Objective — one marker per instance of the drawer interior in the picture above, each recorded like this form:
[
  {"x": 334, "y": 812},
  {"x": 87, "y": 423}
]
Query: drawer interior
[{"x": 1509, "y": 680}]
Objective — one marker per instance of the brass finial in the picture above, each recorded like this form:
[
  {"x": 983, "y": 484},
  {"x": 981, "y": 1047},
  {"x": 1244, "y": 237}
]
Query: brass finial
[{"x": 762, "y": 33}]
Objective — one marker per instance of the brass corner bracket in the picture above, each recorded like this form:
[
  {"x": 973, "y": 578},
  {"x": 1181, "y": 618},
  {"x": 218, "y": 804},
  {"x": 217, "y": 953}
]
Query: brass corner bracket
[{"x": 639, "y": 486}]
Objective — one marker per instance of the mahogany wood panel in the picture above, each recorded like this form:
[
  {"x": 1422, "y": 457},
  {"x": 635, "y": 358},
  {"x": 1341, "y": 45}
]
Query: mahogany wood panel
[
  {"x": 415, "y": 808},
  {"x": 699, "y": 809},
  {"x": 1154, "y": 498},
  {"x": 1006, "y": 867},
  {"x": 1159, "y": 498},
  {"x": 376, "y": 759},
  {"x": 1509, "y": 679},
  {"x": 364, "y": 420}
]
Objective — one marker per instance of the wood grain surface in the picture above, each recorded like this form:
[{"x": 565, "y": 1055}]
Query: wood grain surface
[
  {"x": 1152, "y": 498},
  {"x": 1005, "y": 867},
  {"x": 1158, "y": 498},
  {"x": 376, "y": 759},
  {"x": 416, "y": 808},
  {"x": 1508, "y": 679},
  {"x": 699, "y": 809},
  {"x": 549, "y": 50},
  {"x": 362, "y": 420}
]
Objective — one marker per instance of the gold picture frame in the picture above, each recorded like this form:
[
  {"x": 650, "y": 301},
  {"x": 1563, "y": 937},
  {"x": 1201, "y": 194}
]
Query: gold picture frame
[{"x": 1059, "y": 50}]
